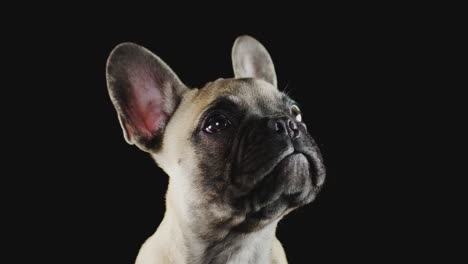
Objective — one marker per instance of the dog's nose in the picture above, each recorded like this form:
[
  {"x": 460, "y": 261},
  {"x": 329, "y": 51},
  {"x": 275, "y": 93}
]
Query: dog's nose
[{"x": 284, "y": 126}]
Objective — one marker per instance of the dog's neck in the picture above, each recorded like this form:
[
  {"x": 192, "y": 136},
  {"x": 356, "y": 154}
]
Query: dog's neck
[
  {"x": 202, "y": 243},
  {"x": 232, "y": 248}
]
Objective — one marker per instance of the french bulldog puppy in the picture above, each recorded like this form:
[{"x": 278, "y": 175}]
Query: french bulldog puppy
[{"x": 237, "y": 153}]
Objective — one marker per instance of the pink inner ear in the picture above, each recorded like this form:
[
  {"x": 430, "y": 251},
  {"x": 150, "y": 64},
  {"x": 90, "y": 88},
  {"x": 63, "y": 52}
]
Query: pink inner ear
[{"x": 146, "y": 102}]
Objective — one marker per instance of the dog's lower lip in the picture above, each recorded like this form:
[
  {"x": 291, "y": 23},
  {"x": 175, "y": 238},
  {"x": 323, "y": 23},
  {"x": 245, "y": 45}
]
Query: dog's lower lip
[
  {"x": 287, "y": 157},
  {"x": 315, "y": 167},
  {"x": 317, "y": 170}
]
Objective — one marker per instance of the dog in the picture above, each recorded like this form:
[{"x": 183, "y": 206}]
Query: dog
[{"x": 237, "y": 153}]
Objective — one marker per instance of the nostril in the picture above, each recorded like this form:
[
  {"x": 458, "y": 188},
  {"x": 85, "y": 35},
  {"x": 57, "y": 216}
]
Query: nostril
[
  {"x": 284, "y": 126},
  {"x": 280, "y": 127},
  {"x": 294, "y": 130},
  {"x": 292, "y": 125}
]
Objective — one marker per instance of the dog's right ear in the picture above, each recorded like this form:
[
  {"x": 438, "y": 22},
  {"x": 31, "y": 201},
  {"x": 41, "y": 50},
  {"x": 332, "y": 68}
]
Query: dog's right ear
[
  {"x": 145, "y": 92},
  {"x": 250, "y": 59}
]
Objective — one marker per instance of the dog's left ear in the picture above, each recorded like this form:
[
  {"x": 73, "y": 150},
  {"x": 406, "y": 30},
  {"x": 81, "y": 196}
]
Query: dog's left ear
[
  {"x": 250, "y": 59},
  {"x": 145, "y": 92}
]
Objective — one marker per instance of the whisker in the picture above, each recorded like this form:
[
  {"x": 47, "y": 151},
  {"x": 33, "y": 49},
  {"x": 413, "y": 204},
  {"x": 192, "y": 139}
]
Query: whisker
[{"x": 285, "y": 90}]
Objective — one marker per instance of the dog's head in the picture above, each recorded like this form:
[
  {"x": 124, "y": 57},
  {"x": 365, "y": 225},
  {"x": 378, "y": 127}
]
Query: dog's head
[{"x": 237, "y": 150}]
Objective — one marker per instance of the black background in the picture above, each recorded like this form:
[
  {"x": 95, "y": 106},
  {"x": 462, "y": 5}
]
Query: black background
[{"x": 355, "y": 74}]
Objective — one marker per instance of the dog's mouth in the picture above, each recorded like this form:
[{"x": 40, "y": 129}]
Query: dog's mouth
[
  {"x": 305, "y": 164},
  {"x": 294, "y": 179},
  {"x": 296, "y": 171},
  {"x": 291, "y": 182}
]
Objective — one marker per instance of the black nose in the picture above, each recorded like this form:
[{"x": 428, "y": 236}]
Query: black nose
[{"x": 284, "y": 126}]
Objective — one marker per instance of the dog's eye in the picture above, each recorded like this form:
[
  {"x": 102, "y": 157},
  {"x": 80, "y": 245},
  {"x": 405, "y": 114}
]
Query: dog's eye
[
  {"x": 216, "y": 124},
  {"x": 296, "y": 113}
]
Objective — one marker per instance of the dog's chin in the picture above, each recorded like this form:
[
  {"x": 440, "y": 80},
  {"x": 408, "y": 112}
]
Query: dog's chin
[{"x": 288, "y": 186}]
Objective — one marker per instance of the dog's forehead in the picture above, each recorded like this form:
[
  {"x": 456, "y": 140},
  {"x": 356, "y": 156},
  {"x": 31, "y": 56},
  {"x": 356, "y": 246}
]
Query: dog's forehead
[{"x": 248, "y": 92}]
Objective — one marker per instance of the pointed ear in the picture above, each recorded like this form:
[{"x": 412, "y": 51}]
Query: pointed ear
[
  {"x": 144, "y": 91},
  {"x": 250, "y": 59}
]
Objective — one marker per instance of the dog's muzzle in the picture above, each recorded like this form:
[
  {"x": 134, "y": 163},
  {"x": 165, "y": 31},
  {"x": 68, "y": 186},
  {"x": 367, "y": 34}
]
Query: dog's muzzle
[{"x": 280, "y": 168}]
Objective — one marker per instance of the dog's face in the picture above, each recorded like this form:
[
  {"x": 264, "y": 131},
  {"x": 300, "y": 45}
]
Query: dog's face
[{"x": 237, "y": 150}]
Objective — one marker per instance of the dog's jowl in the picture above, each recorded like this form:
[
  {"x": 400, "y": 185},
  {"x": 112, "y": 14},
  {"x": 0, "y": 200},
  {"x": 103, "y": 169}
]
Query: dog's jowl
[{"x": 237, "y": 153}]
